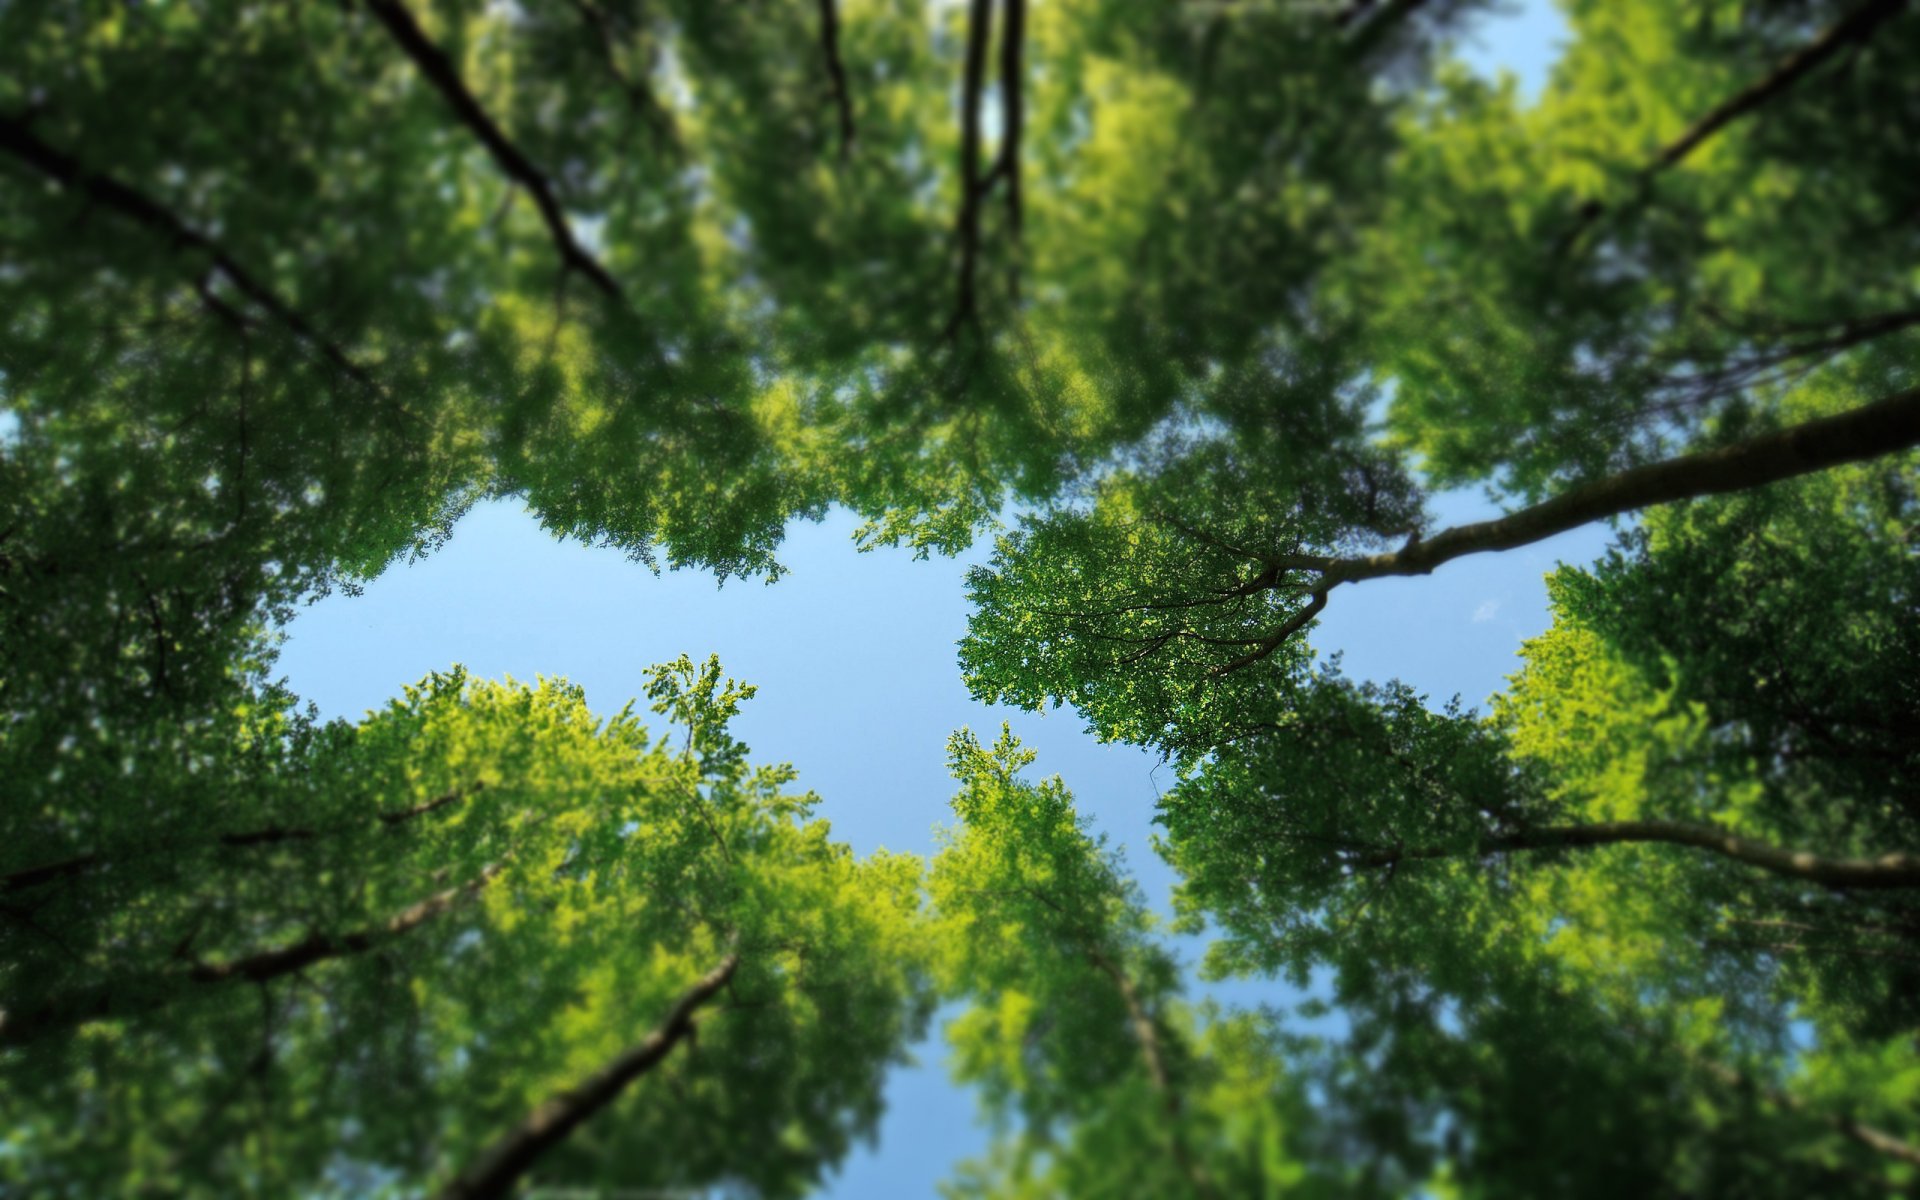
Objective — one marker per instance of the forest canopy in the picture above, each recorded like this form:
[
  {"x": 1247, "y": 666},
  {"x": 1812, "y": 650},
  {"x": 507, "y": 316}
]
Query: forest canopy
[{"x": 1188, "y": 312}]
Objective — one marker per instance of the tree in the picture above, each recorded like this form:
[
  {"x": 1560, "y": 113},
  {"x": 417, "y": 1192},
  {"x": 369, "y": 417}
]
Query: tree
[
  {"x": 1214, "y": 297},
  {"x": 470, "y": 938},
  {"x": 1684, "y": 824},
  {"x": 1100, "y": 1082}
]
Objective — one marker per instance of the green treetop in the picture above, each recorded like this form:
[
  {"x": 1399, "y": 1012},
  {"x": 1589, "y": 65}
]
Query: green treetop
[{"x": 434, "y": 950}]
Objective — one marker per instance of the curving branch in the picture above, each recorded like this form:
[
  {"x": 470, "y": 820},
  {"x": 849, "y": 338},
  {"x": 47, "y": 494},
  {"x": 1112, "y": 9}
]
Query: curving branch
[
  {"x": 21, "y": 142},
  {"x": 837, "y": 74},
  {"x": 1900, "y": 869},
  {"x": 1870, "y": 431},
  {"x": 1856, "y": 26},
  {"x": 1884, "y": 427},
  {"x": 135, "y": 997},
  {"x": 495, "y": 1173},
  {"x": 445, "y": 77}
]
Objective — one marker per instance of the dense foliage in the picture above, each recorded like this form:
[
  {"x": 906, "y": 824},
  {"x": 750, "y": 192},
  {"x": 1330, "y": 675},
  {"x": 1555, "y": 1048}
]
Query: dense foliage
[{"x": 1193, "y": 307}]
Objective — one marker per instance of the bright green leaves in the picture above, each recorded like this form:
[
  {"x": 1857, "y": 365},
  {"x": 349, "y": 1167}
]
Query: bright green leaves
[
  {"x": 1073, "y": 1024},
  {"x": 413, "y": 931},
  {"x": 1037, "y": 920}
]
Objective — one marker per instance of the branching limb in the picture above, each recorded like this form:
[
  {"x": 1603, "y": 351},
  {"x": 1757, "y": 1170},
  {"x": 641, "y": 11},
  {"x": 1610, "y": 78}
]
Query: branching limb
[
  {"x": 1868, "y": 1136},
  {"x": 1867, "y": 432}
]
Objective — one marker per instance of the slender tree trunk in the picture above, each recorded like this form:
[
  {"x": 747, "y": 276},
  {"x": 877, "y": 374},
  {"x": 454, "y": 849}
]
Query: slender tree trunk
[
  {"x": 837, "y": 74},
  {"x": 1899, "y": 869},
  {"x": 495, "y": 1172},
  {"x": 1148, "y": 1035}
]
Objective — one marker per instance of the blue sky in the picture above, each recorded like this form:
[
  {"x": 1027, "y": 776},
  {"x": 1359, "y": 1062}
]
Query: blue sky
[{"x": 859, "y": 689}]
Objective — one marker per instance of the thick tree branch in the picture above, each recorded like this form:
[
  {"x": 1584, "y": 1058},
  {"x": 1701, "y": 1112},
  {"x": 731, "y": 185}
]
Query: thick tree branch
[
  {"x": 837, "y": 74},
  {"x": 499, "y": 1168},
  {"x": 130, "y": 998},
  {"x": 1856, "y": 26},
  {"x": 21, "y": 142},
  {"x": 1867, "y": 432},
  {"x": 1899, "y": 869},
  {"x": 445, "y": 77}
]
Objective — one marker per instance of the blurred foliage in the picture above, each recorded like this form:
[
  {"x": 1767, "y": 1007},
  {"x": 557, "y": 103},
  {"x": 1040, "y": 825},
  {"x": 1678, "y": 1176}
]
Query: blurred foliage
[{"x": 1204, "y": 299}]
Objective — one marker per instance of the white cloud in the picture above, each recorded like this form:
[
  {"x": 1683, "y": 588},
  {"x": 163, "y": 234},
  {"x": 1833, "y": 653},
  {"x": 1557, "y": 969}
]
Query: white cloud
[{"x": 1486, "y": 610}]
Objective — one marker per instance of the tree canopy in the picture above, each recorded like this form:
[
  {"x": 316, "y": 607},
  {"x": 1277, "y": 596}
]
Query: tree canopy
[{"x": 1198, "y": 313}]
